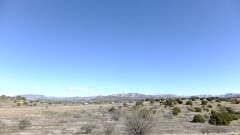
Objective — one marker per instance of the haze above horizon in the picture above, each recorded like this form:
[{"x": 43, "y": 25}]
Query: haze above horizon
[{"x": 89, "y": 47}]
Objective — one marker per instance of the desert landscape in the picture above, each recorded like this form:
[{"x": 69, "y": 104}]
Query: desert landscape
[
  {"x": 119, "y": 67},
  {"x": 180, "y": 116}
]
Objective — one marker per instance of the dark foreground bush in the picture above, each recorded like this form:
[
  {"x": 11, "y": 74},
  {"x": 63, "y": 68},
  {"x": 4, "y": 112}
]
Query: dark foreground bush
[
  {"x": 138, "y": 124},
  {"x": 198, "y": 119},
  {"x": 220, "y": 118}
]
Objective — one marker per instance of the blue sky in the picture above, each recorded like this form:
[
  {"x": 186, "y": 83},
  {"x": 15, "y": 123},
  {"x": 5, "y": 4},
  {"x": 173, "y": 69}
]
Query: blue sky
[{"x": 92, "y": 47}]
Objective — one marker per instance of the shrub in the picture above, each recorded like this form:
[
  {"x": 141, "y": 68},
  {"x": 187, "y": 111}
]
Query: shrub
[
  {"x": 176, "y": 110},
  {"x": 179, "y": 101},
  {"x": 152, "y": 101},
  {"x": 144, "y": 113},
  {"x": 18, "y": 104},
  {"x": 169, "y": 102},
  {"x": 24, "y": 124},
  {"x": 220, "y": 118},
  {"x": 191, "y": 109},
  {"x": 198, "y": 119},
  {"x": 183, "y": 98},
  {"x": 210, "y": 99},
  {"x": 193, "y": 98},
  {"x": 125, "y": 104},
  {"x": 108, "y": 128},
  {"x": 138, "y": 125},
  {"x": 189, "y": 103},
  {"x": 209, "y": 106},
  {"x": 139, "y": 103},
  {"x": 198, "y": 109},
  {"x": 218, "y": 100},
  {"x": 87, "y": 128},
  {"x": 112, "y": 109},
  {"x": 115, "y": 115},
  {"x": 204, "y": 102},
  {"x": 206, "y": 109}
]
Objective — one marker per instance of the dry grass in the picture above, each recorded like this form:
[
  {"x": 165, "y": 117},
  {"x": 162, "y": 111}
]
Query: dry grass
[{"x": 68, "y": 120}]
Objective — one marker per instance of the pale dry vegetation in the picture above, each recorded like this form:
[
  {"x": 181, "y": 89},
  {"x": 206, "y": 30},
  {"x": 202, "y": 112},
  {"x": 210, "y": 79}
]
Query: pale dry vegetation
[{"x": 150, "y": 116}]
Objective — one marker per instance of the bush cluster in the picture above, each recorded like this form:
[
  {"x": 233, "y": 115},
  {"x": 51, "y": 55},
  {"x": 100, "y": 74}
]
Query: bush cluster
[{"x": 220, "y": 118}]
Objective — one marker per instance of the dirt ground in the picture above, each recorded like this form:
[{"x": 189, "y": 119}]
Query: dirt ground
[{"x": 68, "y": 119}]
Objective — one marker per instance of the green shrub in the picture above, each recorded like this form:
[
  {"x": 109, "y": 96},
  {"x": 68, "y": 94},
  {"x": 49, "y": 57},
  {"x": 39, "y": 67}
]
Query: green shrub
[
  {"x": 112, "y": 109},
  {"x": 18, "y": 104},
  {"x": 139, "y": 103},
  {"x": 206, "y": 109},
  {"x": 204, "y": 102},
  {"x": 183, "y": 98},
  {"x": 220, "y": 118},
  {"x": 170, "y": 102},
  {"x": 198, "y": 109},
  {"x": 198, "y": 119},
  {"x": 210, "y": 98},
  {"x": 218, "y": 100},
  {"x": 193, "y": 98},
  {"x": 189, "y": 103},
  {"x": 125, "y": 104},
  {"x": 209, "y": 106},
  {"x": 176, "y": 110},
  {"x": 179, "y": 101}
]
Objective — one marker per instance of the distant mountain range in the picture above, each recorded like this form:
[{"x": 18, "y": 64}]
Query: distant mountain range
[
  {"x": 36, "y": 97},
  {"x": 122, "y": 96}
]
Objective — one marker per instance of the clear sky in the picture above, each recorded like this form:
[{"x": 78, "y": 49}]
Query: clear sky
[{"x": 93, "y": 47}]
